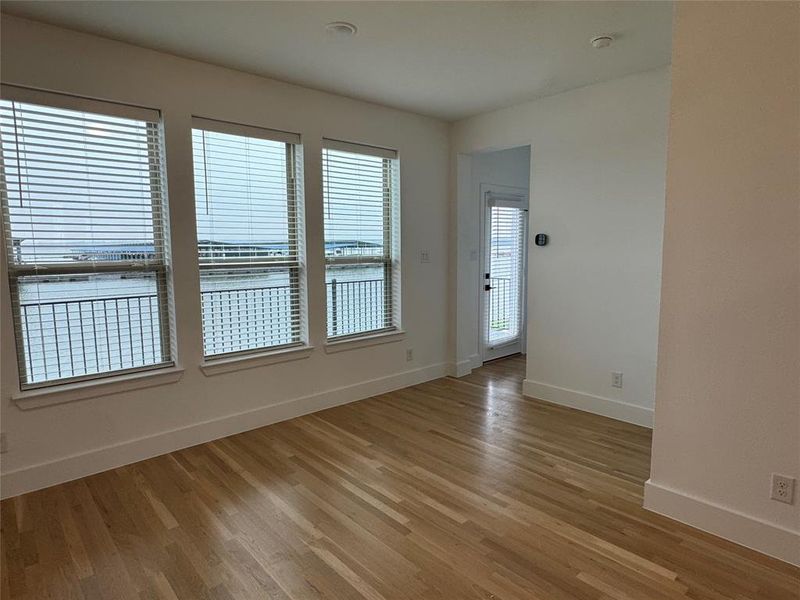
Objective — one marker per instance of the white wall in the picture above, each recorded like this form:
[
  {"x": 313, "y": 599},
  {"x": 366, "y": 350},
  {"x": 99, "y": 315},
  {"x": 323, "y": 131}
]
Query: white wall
[
  {"x": 69, "y": 440},
  {"x": 510, "y": 167},
  {"x": 597, "y": 188},
  {"x": 728, "y": 397}
]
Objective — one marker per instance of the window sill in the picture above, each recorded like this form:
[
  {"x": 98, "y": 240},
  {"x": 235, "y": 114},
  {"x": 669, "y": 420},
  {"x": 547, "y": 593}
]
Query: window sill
[
  {"x": 83, "y": 390},
  {"x": 218, "y": 366},
  {"x": 364, "y": 341}
]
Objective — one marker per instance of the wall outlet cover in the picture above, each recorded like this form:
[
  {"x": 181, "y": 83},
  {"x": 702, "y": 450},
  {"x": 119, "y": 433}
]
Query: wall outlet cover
[
  {"x": 616, "y": 379},
  {"x": 782, "y": 488}
]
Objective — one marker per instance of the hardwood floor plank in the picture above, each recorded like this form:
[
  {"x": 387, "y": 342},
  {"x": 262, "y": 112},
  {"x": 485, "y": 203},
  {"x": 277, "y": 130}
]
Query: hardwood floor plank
[{"x": 455, "y": 488}]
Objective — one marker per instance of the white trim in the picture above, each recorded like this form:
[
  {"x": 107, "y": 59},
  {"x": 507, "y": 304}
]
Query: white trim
[
  {"x": 493, "y": 198},
  {"x": 34, "y": 477},
  {"x": 464, "y": 367},
  {"x": 17, "y": 93},
  {"x": 459, "y": 369},
  {"x": 754, "y": 533},
  {"x": 362, "y": 341},
  {"x": 355, "y": 148},
  {"x": 93, "y": 388},
  {"x": 228, "y": 364},
  {"x": 607, "y": 407},
  {"x": 275, "y": 135}
]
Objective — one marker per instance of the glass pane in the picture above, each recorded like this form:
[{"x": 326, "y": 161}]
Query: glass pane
[
  {"x": 505, "y": 267},
  {"x": 80, "y": 187},
  {"x": 359, "y": 216},
  {"x": 72, "y": 326},
  {"x": 247, "y": 215},
  {"x": 357, "y": 299},
  {"x": 354, "y": 191},
  {"x": 83, "y": 190},
  {"x": 248, "y": 308},
  {"x": 241, "y": 198}
]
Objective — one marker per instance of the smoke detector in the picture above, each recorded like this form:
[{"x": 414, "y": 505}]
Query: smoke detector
[
  {"x": 601, "y": 41},
  {"x": 341, "y": 29}
]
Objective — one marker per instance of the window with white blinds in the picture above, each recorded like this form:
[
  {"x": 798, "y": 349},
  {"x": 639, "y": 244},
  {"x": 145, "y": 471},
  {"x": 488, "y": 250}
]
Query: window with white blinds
[
  {"x": 86, "y": 236},
  {"x": 361, "y": 194},
  {"x": 248, "y": 204}
]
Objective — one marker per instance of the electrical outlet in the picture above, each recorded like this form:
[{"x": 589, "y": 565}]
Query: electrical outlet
[
  {"x": 424, "y": 256},
  {"x": 409, "y": 355},
  {"x": 3, "y": 443},
  {"x": 782, "y": 488},
  {"x": 616, "y": 379}
]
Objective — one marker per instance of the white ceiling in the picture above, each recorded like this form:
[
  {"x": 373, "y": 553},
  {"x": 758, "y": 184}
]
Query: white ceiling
[{"x": 444, "y": 59}]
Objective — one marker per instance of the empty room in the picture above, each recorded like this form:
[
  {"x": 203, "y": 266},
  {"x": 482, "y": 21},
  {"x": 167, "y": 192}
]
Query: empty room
[{"x": 394, "y": 300}]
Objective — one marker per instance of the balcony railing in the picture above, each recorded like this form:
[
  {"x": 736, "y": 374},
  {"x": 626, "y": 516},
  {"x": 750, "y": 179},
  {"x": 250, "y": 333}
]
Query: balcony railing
[
  {"x": 500, "y": 303},
  {"x": 243, "y": 319},
  {"x": 504, "y": 315},
  {"x": 356, "y": 306},
  {"x": 73, "y": 338}
]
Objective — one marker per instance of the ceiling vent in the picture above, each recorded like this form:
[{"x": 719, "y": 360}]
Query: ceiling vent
[
  {"x": 601, "y": 41},
  {"x": 341, "y": 29}
]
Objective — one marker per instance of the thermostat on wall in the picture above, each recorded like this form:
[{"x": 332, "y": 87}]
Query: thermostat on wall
[{"x": 541, "y": 239}]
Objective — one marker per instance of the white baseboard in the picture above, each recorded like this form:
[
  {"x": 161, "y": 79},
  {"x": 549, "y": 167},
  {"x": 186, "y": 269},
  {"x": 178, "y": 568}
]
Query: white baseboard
[
  {"x": 464, "y": 367},
  {"x": 34, "y": 477},
  {"x": 475, "y": 361},
  {"x": 459, "y": 369},
  {"x": 762, "y": 536},
  {"x": 616, "y": 409}
]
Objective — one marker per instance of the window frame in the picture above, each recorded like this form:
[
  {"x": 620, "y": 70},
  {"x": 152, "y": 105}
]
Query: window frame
[
  {"x": 295, "y": 211},
  {"x": 390, "y": 260},
  {"x": 159, "y": 267}
]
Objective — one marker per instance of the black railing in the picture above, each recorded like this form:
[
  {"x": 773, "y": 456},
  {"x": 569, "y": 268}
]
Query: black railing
[
  {"x": 356, "y": 306},
  {"x": 500, "y": 308},
  {"x": 242, "y": 319},
  {"x": 73, "y": 338}
]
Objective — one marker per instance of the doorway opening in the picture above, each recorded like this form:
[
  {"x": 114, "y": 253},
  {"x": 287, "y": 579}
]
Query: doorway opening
[
  {"x": 498, "y": 198},
  {"x": 493, "y": 189}
]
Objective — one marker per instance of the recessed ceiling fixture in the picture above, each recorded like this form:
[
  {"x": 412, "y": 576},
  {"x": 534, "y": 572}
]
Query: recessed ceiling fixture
[
  {"x": 601, "y": 41},
  {"x": 341, "y": 29}
]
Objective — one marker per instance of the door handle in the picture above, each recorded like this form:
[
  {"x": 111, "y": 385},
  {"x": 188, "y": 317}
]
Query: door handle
[{"x": 487, "y": 287}]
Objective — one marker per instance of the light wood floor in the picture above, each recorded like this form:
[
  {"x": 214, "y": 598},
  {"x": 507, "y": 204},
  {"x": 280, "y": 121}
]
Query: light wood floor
[{"x": 446, "y": 490}]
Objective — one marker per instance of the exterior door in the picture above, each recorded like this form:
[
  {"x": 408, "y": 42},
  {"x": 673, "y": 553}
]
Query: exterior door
[{"x": 504, "y": 289}]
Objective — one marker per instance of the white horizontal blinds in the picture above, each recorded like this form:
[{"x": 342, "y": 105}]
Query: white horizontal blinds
[
  {"x": 85, "y": 231},
  {"x": 361, "y": 204},
  {"x": 248, "y": 195},
  {"x": 506, "y": 252}
]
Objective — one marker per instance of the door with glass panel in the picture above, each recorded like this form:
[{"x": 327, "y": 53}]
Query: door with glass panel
[{"x": 503, "y": 283}]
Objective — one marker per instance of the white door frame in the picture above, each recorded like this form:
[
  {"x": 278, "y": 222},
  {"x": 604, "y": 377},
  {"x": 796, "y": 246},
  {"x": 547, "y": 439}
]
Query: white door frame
[{"x": 514, "y": 196}]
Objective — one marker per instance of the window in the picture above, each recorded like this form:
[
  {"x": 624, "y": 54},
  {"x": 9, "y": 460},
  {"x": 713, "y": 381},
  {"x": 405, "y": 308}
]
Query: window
[
  {"x": 85, "y": 229},
  {"x": 248, "y": 203},
  {"x": 362, "y": 238}
]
